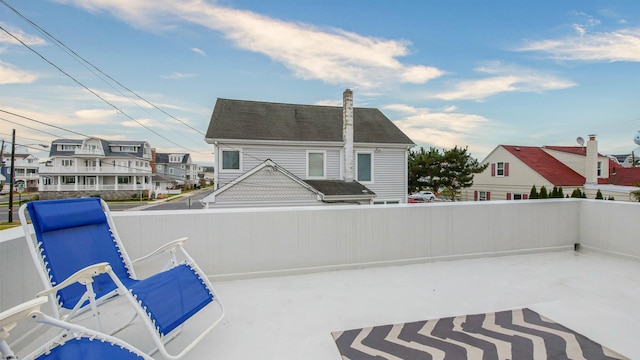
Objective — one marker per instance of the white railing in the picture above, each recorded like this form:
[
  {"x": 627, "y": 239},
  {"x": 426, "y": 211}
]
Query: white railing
[
  {"x": 104, "y": 170},
  {"x": 79, "y": 187},
  {"x": 243, "y": 243}
]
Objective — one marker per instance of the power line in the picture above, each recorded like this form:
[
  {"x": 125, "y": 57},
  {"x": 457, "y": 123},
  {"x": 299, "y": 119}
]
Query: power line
[
  {"x": 74, "y": 54},
  {"x": 118, "y": 110},
  {"x": 39, "y": 122}
]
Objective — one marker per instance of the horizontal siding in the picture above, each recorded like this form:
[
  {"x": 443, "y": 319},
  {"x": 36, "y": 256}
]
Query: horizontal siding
[{"x": 389, "y": 177}]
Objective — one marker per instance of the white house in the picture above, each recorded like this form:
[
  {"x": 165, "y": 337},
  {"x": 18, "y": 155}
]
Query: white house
[
  {"x": 274, "y": 154},
  {"x": 96, "y": 167},
  {"x": 25, "y": 169},
  {"x": 514, "y": 170}
]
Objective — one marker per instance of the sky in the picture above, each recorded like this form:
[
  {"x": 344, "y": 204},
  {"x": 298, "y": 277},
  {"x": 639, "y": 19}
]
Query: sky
[{"x": 464, "y": 73}]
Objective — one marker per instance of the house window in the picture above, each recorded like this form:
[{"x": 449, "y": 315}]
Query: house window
[
  {"x": 365, "y": 167},
  {"x": 599, "y": 168},
  {"x": 500, "y": 169},
  {"x": 170, "y": 170},
  {"x": 67, "y": 147},
  {"x": 481, "y": 195},
  {"x": 230, "y": 160},
  {"x": 517, "y": 196},
  {"x": 128, "y": 149},
  {"x": 315, "y": 164},
  {"x": 123, "y": 179},
  {"x": 67, "y": 162},
  {"x": 158, "y": 167},
  {"x": 69, "y": 180}
]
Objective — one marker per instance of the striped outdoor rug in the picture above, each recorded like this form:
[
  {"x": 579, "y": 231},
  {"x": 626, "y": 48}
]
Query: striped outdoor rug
[{"x": 509, "y": 335}]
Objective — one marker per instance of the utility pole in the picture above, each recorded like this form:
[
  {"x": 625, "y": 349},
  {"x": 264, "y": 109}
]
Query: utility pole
[{"x": 12, "y": 173}]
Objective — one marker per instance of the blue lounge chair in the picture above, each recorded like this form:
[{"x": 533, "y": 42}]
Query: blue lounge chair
[
  {"x": 71, "y": 342},
  {"x": 83, "y": 264}
]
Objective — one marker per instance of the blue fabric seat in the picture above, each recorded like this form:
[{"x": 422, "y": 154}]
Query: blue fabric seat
[{"x": 75, "y": 234}]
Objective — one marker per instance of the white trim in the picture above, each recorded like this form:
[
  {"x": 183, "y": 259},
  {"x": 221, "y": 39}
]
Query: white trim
[
  {"x": 220, "y": 159},
  {"x": 324, "y": 164}
]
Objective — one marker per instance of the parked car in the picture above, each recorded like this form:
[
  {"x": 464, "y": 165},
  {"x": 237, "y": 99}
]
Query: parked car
[
  {"x": 429, "y": 195},
  {"x": 421, "y": 197}
]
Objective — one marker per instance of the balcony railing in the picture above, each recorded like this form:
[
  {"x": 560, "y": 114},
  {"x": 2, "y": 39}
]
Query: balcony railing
[
  {"x": 94, "y": 170},
  {"x": 97, "y": 187}
]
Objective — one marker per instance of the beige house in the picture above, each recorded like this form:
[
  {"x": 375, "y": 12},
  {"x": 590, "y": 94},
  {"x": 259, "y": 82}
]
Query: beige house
[{"x": 514, "y": 170}]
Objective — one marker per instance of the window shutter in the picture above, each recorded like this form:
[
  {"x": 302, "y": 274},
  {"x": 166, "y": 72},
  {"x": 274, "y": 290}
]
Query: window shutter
[
  {"x": 525, "y": 196},
  {"x": 488, "y": 196},
  {"x": 475, "y": 195},
  {"x": 493, "y": 169},
  {"x": 508, "y": 196},
  {"x": 506, "y": 169}
]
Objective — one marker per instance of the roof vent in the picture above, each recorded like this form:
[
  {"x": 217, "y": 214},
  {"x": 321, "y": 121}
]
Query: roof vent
[{"x": 517, "y": 148}]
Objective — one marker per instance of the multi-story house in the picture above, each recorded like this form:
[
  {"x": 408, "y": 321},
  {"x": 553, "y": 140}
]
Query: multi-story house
[
  {"x": 96, "y": 167},
  {"x": 274, "y": 154},
  {"x": 25, "y": 169},
  {"x": 177, "y": 166},
  {"x": 514, "y": 170}
]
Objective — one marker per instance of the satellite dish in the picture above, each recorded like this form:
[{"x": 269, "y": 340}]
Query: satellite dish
[
  {"x": 580, "y": 140},
  {"x": 636, "y": 139}
]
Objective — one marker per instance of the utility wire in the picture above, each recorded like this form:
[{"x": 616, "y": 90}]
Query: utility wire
[
  {"x": 40, "y": 122},
  {"x": 72, "y": 53},
  {"x": 118, "y": 110}
]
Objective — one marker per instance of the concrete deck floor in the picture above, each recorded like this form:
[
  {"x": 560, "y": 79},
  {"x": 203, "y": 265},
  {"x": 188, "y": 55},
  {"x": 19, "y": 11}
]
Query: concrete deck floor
[{"x": 292, "y": 317}]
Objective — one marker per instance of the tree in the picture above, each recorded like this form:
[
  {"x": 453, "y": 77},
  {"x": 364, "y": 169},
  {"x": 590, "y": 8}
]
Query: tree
[
  {"x": 534, "y": 193},
  {"x": 543, "y": 193},
  {"x": 599, "y": 195},
  {"x": 448, "y": 170},
  {"x": 577, "y": 193}
]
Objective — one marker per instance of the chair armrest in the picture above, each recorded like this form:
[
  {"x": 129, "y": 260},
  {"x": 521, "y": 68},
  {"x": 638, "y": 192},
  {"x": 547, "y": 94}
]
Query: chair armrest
[
  {"x": 170, "y": 247},
  {"x": 83, "y": 276}
]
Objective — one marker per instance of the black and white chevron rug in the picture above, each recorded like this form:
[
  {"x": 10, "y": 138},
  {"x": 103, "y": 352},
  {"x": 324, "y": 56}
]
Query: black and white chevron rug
[{"x": 505, "y": 335}]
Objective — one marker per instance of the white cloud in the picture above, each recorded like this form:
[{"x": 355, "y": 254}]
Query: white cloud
[
  {"x": 96, "y": 115},
  {"x": 440, "y": 128},
  {"x": 621, "y": 45},
  {"x": 11, "y": 75},
  {"x": 178, "y": 75},
  {"x": 199, "y": 51},
  {"x": 25, "y": 38},
  {"x": 330, "y": 55},
  {"x": 504, "y": 78}
]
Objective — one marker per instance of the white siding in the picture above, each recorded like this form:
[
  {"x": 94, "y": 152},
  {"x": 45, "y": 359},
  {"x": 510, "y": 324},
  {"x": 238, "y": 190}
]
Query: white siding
[
  {"x": 267, "y": 187},
  {"x": 390, "y": 167}
]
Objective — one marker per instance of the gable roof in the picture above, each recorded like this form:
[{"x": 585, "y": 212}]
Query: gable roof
[
  {"x": 546, "y": 165},
  {"x": 254, "y": 120},
  {"x": 623, "y": 176},
  {"x": 326, "y": 190}
]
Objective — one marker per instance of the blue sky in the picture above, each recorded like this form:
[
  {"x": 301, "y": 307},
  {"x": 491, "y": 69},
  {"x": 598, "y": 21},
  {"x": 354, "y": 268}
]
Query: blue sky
[{"x": 466, "y": 73}]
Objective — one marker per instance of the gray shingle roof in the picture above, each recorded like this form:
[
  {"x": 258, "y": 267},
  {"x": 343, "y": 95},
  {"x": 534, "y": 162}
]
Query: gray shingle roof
[
  {"x": 253, "y": 120},
  {"x": 105, "y": 145},
  {"x": 339, "y": 187}
]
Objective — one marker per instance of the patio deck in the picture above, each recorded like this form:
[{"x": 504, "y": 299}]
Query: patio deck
[
  {"x": 292, "y": 317},
  {"x": 289, "y": 277}
]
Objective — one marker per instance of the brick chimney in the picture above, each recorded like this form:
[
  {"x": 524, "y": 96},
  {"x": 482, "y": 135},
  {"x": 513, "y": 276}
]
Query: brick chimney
[
  {"x": 591, "y": 161},
  {"x": 347, "y": 135}
]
